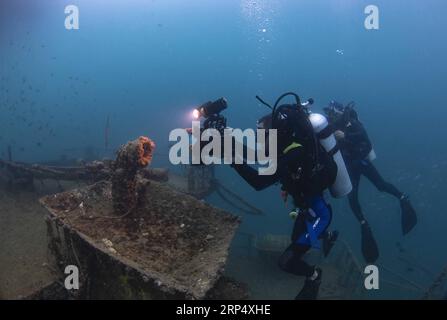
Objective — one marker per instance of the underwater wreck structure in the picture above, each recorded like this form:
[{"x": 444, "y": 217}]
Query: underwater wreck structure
[
  {"x": 155, "y": 238},
  {"x": 133, "y": 237}
]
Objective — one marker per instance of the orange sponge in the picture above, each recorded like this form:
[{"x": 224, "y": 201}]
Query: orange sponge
[{"x": 146, "y": 148}]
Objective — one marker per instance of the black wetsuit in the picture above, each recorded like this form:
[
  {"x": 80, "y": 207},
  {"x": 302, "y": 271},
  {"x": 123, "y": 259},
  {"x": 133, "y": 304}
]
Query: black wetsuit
[
  {"x": 355, "y": 147},
  {"x": 291, "y": 170}
]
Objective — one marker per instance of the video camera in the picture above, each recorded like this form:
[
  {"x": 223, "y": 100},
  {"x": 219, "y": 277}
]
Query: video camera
[{"x": 211, "y": 112}]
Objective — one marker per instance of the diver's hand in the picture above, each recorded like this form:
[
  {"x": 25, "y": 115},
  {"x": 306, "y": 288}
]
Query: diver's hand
[{"x": 339, "y": 135}]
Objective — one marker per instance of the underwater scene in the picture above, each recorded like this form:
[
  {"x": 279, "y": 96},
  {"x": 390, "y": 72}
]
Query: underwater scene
[{"x": 223, "y": 150}]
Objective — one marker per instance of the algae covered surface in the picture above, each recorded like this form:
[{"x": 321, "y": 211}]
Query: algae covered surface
[{"x": 172, "y": 237}]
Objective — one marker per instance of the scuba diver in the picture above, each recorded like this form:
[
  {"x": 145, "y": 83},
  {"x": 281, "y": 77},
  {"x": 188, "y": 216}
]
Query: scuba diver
[
  {"x": 304, "y": 169},
  {"x": 358, "y": 154}
]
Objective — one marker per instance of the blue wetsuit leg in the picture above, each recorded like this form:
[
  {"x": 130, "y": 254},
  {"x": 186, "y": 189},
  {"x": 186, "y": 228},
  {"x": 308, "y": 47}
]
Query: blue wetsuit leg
[{"x": 317, "y": 221}]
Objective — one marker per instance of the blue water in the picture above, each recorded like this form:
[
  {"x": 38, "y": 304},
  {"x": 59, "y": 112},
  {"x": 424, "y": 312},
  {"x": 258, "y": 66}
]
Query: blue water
[{"x": 146, "y": 64}]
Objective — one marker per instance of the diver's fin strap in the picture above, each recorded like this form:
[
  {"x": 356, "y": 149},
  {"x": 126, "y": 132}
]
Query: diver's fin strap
[
  {"x": 326, "y": 132},
  {"x": 334, "y": 150},
  {"x": 292, "y": 146}
]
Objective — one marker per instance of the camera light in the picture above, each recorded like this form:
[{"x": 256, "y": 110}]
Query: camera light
[{"x": 196, "y": 114}]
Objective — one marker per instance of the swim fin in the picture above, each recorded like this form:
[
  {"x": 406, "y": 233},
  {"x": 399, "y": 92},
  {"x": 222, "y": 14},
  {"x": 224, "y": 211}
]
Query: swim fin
[
  {"x": 370, "y": 250},
  {"x": 328, "y": 241},
  {"x": 409, "y": 217},
  {"x": 311, "y": 288}
]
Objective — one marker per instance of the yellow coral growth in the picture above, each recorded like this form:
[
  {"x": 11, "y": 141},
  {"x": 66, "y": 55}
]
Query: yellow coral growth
[{"x": 145, "y": 149}]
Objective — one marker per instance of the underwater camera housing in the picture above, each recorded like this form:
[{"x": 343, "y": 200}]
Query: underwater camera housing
[{"x": 211, "y": 112}]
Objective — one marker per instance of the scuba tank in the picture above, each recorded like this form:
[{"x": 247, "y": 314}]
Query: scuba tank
[{"x": 342, "y": 184}]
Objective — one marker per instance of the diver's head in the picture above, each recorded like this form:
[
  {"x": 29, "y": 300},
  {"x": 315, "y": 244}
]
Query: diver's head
[
  {"x": 334, "y": 111},
  {"x": 290, "y": 123},
  {"x": 339, "y": 115},
  {"x": 281, "y": 120}
]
